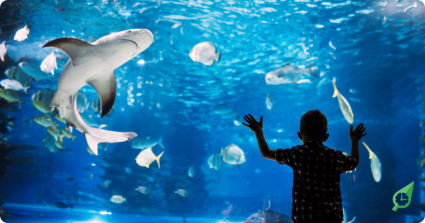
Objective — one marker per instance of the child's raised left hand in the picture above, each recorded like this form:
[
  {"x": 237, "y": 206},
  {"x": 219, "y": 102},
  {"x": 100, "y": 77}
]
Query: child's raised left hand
[{"x": 253, "y": 124}]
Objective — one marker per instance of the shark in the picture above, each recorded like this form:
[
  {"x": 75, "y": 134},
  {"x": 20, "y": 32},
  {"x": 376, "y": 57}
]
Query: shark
[
  {"x": 94, "y": 64},
  {"x": 94, "y": 136}
]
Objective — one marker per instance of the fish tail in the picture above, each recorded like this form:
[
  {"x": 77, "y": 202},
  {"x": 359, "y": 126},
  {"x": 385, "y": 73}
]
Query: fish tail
[
  {"x": 221, "y": 152},
  {"x": 19, "y": 103},
  {"x": 310, "y": 71},
  {"x": 368, "y": 149},
  {"x": 73, "y": 137},
  {"x": 160, "y": 143},
  {"x": 217, "y": 57},
  {"x": 336, "y": 92},
  {"x": 61, "y": 137},
  {"x": 157, "y": 159},
  {"x": 2, "y": 58},
  {"x": 26, "y": 89}
]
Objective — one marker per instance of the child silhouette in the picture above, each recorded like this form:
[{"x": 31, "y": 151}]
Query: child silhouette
[{"x": 316, "y": 197}]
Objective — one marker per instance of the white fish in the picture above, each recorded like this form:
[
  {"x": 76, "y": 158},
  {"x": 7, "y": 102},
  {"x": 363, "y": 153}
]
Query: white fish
[
  {"x": 13, "y": 84},
  {"x": 82, "y": 103},
  {"x": 93, "y": 136},
  {"x": 146, "y": 157},
  {"x": 233, "y": 155},
  {"x": 118, "y": 199},
  {"x": 94, "y": 64},
  {"x": 142, "y": 189},
  {"x": 345, "y": 217},
  {"x": 332, "y": 46},
  {"x": 3, "y": 49},
  {"x": 343, "y": 105},
  {"x": 1, "y": 1},
  {"x": 181, "y": 192},
  {"x": 49, "y": 64},
  {"x": 287, "y": 74},
  {"x": 214, "y": 161},
  {"x": 269, "y": 101},
  {"x": 22, "y": 34},
  {"x": 145, "y": 143},
  {"x": 375, "y": 164},
  {"x": 204, "y": 53},
  {"x": 191, "y": 171}
]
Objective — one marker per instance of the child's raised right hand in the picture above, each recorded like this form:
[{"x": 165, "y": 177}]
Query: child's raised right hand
[
  {"x": 357, "y": 134},
  {"x": 253, "y": 124}
]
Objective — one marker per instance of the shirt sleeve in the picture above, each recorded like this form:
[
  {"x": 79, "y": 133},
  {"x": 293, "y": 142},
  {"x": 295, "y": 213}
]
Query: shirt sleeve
[
  {"x": 284, "y": 156},
  {"x": 348, "y": 162}
]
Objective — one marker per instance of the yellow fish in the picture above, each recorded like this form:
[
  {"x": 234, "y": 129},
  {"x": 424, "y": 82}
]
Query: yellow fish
[
  {"x": 67, "y": 134},
  {"x": 59, "y": 144},
  {"x": 343, "y": 105},
  {"x": 60, "y": 119},
  {"x": 41, "y": 100},
  {"x": 375, "y": 164},
  {"x": 146, "y": 157},
  {"x": 44, "y": 121},
  {"x": 55, "y": 133},
  {"x": 10, "y": 96}
]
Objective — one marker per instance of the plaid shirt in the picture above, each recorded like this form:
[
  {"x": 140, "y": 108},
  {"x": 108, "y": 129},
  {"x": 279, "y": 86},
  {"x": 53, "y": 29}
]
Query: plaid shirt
[{"x": 317, "y": 169}]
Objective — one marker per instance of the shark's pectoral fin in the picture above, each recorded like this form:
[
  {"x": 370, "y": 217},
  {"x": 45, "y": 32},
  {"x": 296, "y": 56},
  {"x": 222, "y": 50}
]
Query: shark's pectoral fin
[
  {"x": 105, "y": 86},
  {"x": 75, "y": 48}
]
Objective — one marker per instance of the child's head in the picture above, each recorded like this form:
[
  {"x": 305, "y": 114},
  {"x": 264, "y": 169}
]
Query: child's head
[{"x": 313, "y": 127}]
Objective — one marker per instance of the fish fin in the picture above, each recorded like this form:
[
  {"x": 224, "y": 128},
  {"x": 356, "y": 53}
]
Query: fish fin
[
  {"x": 157, "y": 159},
  {"x": 61, "y": 137},
  {"x": 26, "y": 89},
  {"x": 73, "y": 137},
  {"x": 19, "y": 103},
  {"x": 296, "y": 82},
  {"x": 336, "y": 92},
  {"x": 102, "y": 126},
  {"x": 310, "y": 71},
  {"x": 217, "y": 57},
  {"x": 76, "y": 49},
  {"x": 368, "y": 149},
  {"x": 2, "y": 58},
  {"x": 160, "y": 143},
  {"x": 106, "y": 89}
]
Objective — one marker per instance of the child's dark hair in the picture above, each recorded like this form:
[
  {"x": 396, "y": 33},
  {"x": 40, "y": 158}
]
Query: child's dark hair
[{"x": 314, "y": 124}]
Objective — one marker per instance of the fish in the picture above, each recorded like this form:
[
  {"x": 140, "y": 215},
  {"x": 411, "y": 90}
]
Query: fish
[
  {"x": 118, "y": 199},
  {"x": 343, "y": 105},
  {"x": 181, "y": 192},
  {"x": 3, "y": 48},
  {"x": 63, "y": 205},
  {"x": 106, "y": 183},
  {"x": 88, "y": 119},
  {"x": 233, "y": 155},
  {"x": 17, "y": 74},
  {"x": 67, "y": 134},
  {"x": 59, "y": 144},
  {"x": 49, "y": 64},
  {"x": 144, "y": 143},
  {"x": 410, "y": 7},
  {"x": 345, "y": 217},
  {"x": 82, "y": 104},
  {"x": 93, "y": 136},
  {"x": 146, "y": 157},
  {"x": 95, "y": 105},
  {"x": 269, "y": 101},
  {"x": 142, "y": 189},
  {"x": 375, "y": 164},
  {"x": 44, "y": 121},
  {"x": 41, "y": 100},
  {"x": 13, "y": 84},
  {"x": 49, "y": 144},
  {"x": 204, "y": 53},
  {"x": 287, "y": 74},
  {"x": 128, "y": 170},
  {"x": 191, "y": 171},
  {"x": 22, "y": 34},
  {"x": 332, "y": 46},
  {"x": 268, "y": 216},
  {"x": 222, "y": 109},
  {"x": 10, "y": 96},
  {"x": 94, "y": 64},
  {"x": 214, "y": 161},
  {"x": 57, "y": 117},
  {"x": 53, "y": 131},
  {"x": 33, "y": 70}
]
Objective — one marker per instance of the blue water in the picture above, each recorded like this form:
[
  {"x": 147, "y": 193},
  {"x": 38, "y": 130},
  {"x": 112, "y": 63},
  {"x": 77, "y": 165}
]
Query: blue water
[{"x": 373, "y": 49}]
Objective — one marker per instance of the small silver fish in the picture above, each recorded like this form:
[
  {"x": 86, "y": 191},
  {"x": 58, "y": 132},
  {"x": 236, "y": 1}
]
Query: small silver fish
[
  {"x": 287, "y": 74},
  {"x": 204, "y": 53},
  {"x": 22, "y": 34},
  {"x": 49, "y": 64},
  {"x": 13, "y": 84},
  {"x": 269, "y": 101}
]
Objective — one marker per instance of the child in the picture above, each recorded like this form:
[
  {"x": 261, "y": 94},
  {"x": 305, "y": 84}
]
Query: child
[{"x": 316, "y": 197}]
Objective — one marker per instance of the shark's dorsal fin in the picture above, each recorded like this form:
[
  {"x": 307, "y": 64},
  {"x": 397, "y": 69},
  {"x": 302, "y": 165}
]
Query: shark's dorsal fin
[
  {"x": 105, "y": 86},
  {"x": 74, "y": 48}
]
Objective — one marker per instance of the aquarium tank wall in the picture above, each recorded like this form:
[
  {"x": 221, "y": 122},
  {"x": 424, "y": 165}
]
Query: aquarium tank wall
[{"x": 133, "y": 111}]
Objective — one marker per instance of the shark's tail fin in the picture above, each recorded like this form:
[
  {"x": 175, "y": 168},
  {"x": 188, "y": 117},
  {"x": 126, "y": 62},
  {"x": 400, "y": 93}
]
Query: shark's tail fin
[
  {"x": 95, "y": 136},
  {"x": 310, "y": 71}
]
